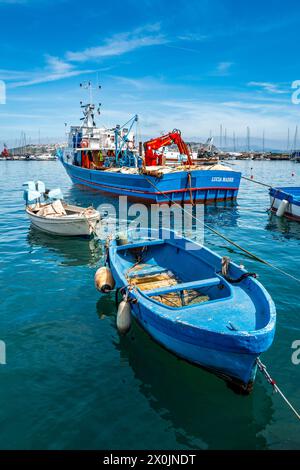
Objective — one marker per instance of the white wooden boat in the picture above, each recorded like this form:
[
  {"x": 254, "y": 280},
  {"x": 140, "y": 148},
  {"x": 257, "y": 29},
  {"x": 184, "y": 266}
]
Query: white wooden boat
[
  {"x": 78, "y": 221},
  {"x": 53, "y": 215}
]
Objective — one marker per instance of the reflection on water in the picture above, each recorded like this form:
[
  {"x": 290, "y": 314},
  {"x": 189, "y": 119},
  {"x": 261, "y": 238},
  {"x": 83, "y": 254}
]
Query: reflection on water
[
  {"x": 283, "y": 227},
  {"x": 84, "y": 196},
  {"x": 106, "y": 306},
  {"x": 188, "y": 397},
  {"x": 74, "y": 251},
  {"x": 222, "y": 216}
]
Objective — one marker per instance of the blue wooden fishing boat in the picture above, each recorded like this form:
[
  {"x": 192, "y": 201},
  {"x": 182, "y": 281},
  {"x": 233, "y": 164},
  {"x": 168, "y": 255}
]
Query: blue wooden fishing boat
[
  {"x": 285, "y": 201},
  {"x": 201, "y": 307},
  {"x": 109, "y": 161}
]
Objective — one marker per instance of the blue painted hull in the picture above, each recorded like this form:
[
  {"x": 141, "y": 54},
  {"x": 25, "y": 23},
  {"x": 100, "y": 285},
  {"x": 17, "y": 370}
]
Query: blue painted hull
[
  {"x": 230, "y": 365},
  {"x": 200, "y": 333},
  {"x": 206, "y": 186}
]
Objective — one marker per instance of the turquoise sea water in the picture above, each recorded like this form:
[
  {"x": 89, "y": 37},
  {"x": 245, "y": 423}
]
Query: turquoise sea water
[{"x": 71, "y": 382}]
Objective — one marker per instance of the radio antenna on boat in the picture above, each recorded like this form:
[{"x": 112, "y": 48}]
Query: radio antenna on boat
[
  {"x": 89, "y": 108},
  {"x": 88, "y": 86}
]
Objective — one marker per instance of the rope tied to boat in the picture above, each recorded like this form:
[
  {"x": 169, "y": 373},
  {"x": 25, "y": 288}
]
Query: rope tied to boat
[
  {"x": 257, "y": 182},
  {"x": 225, "y": 272},
  {"x": 228, "y": 240},
  {"x": 125, "y": 291},
  {"x": 84, "y": 213},
  {"x": 263, "y": 369},
  {"x": 190, "y": 188},
  {"x": 107, "y": 244}
]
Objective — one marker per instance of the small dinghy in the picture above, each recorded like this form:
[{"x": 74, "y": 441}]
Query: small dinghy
[
  {"x": 49, "y": 213},
  {"x": 285, "y": 201},
  {"x": 201, "y": 307}
]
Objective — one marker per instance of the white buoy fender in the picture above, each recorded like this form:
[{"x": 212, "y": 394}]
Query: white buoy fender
[
  {"x": 104, "y": 281},
  {"x": 124, "y": 317},
  {"x": 122, "y": 239},
  {"x": 282, "y": 208}
]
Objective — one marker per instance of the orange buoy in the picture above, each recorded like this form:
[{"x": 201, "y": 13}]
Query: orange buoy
[{"x": 104, "y": 281}]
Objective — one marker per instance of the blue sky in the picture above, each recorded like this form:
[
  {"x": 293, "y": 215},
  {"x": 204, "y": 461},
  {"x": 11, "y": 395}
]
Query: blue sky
[{"x": 192, "y": 65}]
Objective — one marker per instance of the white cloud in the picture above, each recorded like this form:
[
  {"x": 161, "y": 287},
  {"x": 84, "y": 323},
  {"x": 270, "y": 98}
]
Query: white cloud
[
  {"x": 195, "y": 37},
  {"x": 21, "y": 116},
  {"x": 57, "y": 65},
  {"x": 223, "y": 68},
  {"x": 121, "y": 44},
  {"x": 55, "y": 69},
  {"x": 253, "y": 105},
  {"x": 268, "y": 86},
  {"x": 14, "y": 74},
  {"x": 147, "y": 84},
  {"x": 197, "y": 117},
  {"x": 46, "y": 78}
]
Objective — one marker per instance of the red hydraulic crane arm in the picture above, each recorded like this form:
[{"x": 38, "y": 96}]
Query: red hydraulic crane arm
[
  {"x": 171, "y": 138},
  {"x": 159, "y": 142}
]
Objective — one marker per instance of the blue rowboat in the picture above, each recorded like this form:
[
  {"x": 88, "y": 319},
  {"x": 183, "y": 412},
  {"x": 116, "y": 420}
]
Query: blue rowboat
[
  {"x": 179, "y": 295},
  {"x": 204, "y": 186},
  {"x": 285, "y": 201}
]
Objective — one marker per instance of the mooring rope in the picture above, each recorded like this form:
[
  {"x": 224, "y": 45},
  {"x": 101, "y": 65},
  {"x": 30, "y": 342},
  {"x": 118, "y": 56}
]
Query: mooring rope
[
  {"x": 257, "y": 182},
  {"x": 228, "y": 240},
  {"x": 260, "y": 365},
  {"x": 271, "y": 381},
  {"x": 93, "y": 228}
]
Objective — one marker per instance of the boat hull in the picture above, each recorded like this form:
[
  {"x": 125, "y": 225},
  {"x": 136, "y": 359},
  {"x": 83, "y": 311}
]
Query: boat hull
[
  {"x": 237, "y": 368},
  {"x": 204, "y": 186},
  {"x": 278, "y": 194},
  {"x": 72, "y": 227}
]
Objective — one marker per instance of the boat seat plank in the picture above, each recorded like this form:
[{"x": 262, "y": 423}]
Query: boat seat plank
[
  {"x": 147, "y": 271},
  {"x": 129, "y": 246},
  {"x": 213, "y": 281}
]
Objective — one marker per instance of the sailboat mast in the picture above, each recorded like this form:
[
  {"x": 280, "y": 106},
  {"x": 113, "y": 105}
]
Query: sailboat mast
[{"x": 295, "y": 139}]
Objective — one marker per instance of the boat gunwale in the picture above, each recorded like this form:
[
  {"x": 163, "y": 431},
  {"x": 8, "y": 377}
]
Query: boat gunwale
[
  {"x": 282, "y": 191},
  {"x": 163, "y": 175},
  {"x": 264, "y": 331},
  {"x": 68, "y": 218}
]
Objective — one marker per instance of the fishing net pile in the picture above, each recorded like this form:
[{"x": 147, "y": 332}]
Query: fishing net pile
[{"x": 151, "y": 282}]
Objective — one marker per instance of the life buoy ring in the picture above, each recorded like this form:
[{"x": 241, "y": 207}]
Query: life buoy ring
[{"x": 84, "y": 144}]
